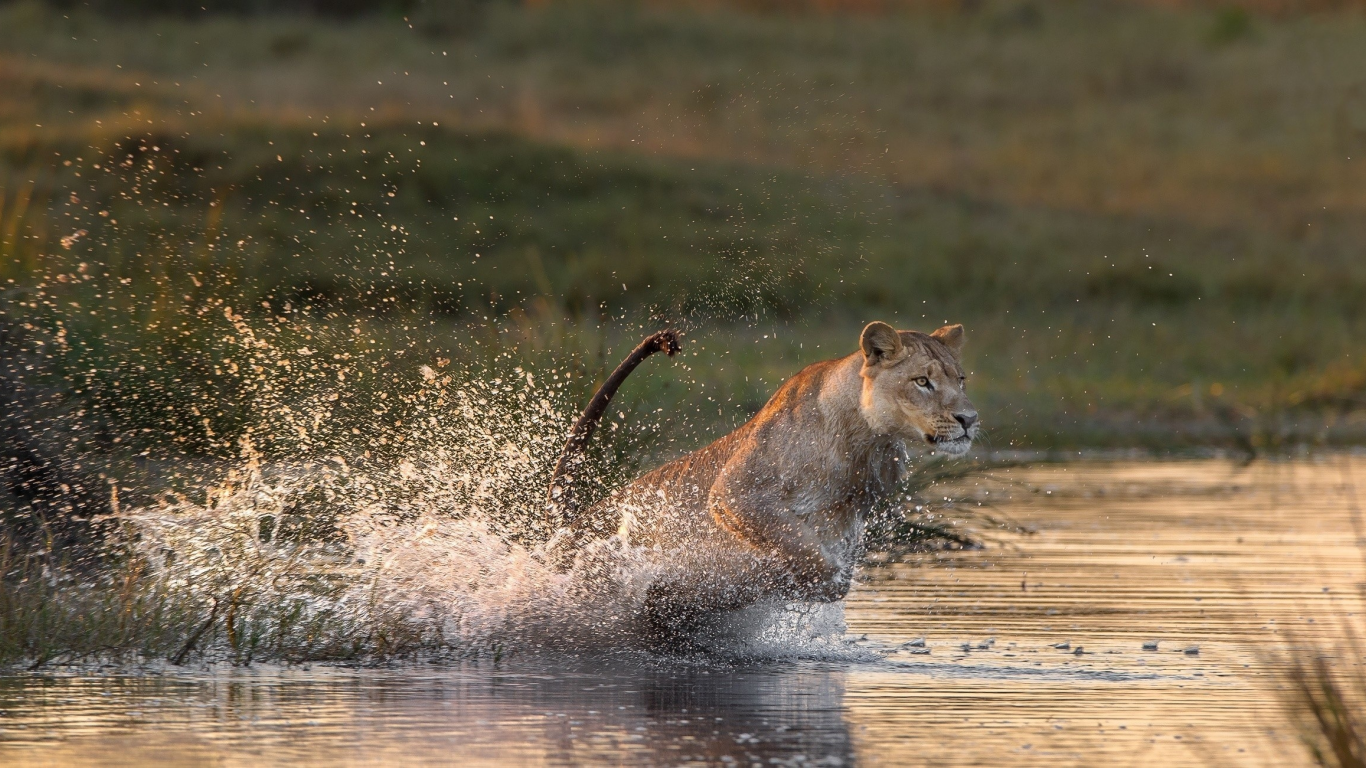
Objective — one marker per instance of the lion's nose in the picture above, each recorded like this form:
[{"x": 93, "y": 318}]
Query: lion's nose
[{"x": 966, "y": 419}]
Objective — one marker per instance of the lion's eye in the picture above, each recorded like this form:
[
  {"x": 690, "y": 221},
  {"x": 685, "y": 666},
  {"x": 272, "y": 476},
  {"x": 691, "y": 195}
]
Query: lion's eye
[
  {"x": 962, "y": 383},
  {"x": 922, "y": 381}
]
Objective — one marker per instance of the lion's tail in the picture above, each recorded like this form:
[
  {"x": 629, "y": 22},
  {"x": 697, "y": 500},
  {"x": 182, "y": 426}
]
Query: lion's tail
[{"x": 560, "y": 506}]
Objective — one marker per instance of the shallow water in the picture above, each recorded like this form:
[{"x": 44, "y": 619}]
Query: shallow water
[{"x": 1191, "y": 554}]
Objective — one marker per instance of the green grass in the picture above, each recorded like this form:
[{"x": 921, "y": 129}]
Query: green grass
[
  {"x": 52, "y": 613},
  {"x": 1151, "y": 233}
]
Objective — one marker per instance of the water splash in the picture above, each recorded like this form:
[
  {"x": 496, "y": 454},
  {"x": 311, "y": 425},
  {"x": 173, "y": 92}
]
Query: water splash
[
  {"x": 434, "y": 549},
  {"x": 299, "y": 485}
]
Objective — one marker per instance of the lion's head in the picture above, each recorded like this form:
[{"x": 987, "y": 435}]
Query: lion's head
[{"x": 913, "y": 387}]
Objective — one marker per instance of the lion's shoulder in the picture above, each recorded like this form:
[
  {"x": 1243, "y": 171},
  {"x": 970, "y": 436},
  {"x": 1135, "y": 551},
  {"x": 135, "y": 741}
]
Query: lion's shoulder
[{"x": 798, "y": 394}]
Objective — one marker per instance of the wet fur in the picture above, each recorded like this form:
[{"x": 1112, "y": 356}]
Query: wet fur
[{"x": 775, "y": 509}]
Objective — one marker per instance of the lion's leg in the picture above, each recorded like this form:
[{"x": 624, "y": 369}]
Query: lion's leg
[
  {"x": 596, "y": 523},
  {"x": 667, "y": 624},
  {"x": 827, "y": 587},
  {"x": 679, "y": 605},
  {"x": 799, "y": 567}
]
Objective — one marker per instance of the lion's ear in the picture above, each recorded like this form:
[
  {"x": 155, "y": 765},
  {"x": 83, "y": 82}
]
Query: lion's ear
[
  {"x": 952, "y": 337},
  {"x": 880, "y": 342}
]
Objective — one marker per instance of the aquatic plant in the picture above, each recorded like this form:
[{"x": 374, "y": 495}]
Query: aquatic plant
[
  {"x": 1325, "y": 702},
  {"x": 1323, "y": 681}
]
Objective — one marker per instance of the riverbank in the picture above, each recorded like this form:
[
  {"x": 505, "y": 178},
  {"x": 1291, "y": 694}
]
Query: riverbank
[{"x": 552, "y": 186}]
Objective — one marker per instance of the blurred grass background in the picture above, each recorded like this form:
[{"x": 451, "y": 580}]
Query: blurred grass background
[{"x": 1148, "y": 215}]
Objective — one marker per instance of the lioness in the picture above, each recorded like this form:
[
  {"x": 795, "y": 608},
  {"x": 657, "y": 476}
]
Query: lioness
[{"x": 775, "y": 509}]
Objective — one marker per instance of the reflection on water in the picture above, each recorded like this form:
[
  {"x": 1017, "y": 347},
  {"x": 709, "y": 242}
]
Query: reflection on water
[
  {"x": 535, "y": 712},
  {"x": 1036, "y": 655}
]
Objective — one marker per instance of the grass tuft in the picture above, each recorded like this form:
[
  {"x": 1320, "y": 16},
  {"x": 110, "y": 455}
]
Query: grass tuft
[
  {"x": 1326, "y": 703},
  {"x": 1324, "y": 684}
]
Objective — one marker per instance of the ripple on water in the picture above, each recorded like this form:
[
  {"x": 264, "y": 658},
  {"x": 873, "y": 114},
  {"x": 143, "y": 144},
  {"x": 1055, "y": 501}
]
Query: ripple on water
[{"x": 1059, "y": 665}]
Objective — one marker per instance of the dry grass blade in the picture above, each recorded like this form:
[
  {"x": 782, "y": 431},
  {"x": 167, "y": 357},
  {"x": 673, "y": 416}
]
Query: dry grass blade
[
  {"x": 1325, "y": 686},
  {"x": 1332, "y": 728}
]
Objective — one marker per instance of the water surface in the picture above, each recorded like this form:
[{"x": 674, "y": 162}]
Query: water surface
[{"x": 1033, "y": 654}]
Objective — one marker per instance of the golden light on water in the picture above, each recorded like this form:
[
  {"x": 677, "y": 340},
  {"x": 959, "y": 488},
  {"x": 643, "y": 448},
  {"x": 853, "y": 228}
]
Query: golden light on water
[{"x": 1214, "y": 561}]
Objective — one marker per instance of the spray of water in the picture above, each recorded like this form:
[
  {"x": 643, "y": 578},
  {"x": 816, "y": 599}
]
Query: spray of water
[
  {"x": 433, "y": 548},
  {"x": 299, "y": 471}
]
